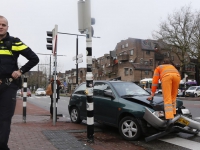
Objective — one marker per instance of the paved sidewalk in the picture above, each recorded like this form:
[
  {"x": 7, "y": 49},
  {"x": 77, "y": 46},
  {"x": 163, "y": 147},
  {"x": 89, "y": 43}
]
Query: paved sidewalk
[{"x": 38, "y": 133}]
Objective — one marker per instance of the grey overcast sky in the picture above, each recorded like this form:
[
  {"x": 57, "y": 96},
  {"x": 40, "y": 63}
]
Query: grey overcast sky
[{"x": 116, "y": 20}]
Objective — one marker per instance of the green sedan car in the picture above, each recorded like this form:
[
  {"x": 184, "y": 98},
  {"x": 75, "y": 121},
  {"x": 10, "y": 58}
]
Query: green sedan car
[{"x": 122, "y": 105}]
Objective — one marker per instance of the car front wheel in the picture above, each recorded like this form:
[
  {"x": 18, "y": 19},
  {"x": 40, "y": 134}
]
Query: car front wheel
[
  {"x": 129, "y": 128},
  {"x": 75, "y": 115}
]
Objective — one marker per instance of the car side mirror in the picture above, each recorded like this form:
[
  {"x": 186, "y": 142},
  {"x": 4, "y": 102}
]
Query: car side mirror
[{"x": 109, "y": 94}]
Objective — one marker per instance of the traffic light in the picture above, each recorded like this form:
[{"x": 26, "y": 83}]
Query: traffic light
[{"x": 52, "y": 39}]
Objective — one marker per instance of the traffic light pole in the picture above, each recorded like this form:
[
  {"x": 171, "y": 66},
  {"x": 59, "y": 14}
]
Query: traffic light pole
[
  {"x": 84, "y": 26},
  {"x": 55, "y": 76},
  {"x": 89, "y": 89}
]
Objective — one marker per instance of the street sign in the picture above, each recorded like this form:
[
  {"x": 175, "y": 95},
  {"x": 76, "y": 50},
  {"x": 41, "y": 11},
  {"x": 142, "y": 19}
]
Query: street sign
[
  {"x": 80, "y": 56},
  {"x": 80, "y": 60}
]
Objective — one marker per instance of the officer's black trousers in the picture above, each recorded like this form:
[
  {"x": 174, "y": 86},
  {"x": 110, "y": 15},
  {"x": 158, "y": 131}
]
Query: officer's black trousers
[{"x": 7, "y": 108}]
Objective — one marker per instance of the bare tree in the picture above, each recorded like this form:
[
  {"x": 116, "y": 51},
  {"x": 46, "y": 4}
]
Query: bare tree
[
  {"x": 177, "y": 32},
  {"x": 195, "y": 45}
]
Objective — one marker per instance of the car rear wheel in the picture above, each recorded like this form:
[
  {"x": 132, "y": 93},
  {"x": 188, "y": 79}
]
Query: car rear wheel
[
  {"x": 129, "y": 128},
  {"x": 195, "y": 95},
  {"x": 75, "y": 115}
]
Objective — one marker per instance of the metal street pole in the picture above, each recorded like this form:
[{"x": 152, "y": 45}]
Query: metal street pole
[{"x": 76, "y": 61}]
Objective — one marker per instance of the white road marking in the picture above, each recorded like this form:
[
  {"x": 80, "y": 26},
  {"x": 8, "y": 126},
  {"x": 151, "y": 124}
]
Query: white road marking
[
  {"x": 198, "y": 118},
  {"x": 182, "y": 142}
]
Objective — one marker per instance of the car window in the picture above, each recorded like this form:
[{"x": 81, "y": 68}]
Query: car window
[
  {"x": 100, "y": 87},
  {"x": 81, "y": 89},
  {"x": 128, "y": 88}
]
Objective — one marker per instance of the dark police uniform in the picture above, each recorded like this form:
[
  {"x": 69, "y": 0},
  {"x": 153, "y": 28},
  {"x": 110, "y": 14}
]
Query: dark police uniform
[{"x": 8, "y": 64}]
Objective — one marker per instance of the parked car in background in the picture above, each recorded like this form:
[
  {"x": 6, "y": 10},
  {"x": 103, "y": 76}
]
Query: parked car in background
[
  {"x": 122, "y": 105},
  {"x": 28, "y": 92},
  {"x": 19, "y": 93},
  {"x": 40, "y": 92},
  {"x": 193, "y": 91}
]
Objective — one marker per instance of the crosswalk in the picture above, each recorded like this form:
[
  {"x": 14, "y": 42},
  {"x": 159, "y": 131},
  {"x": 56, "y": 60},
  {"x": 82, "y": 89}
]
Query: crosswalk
[{"x": 186, "y": 143}]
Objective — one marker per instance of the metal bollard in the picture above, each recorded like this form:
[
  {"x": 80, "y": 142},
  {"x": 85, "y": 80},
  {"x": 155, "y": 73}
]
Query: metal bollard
[{"x": 24, "y": 99}]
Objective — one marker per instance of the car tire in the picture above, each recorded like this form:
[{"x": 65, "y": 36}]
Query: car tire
[
  {"x": 195, "y": 95},
  {"x": 75, "y": 115},
  {"x": 129, "y": 128}
]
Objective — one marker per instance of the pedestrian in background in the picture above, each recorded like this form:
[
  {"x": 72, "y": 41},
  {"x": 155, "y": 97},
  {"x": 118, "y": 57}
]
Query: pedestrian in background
[
  {"x": 10, "y": 49},
  {"x": 170, "y": 80},
  {"x": 58, "y": 84}
]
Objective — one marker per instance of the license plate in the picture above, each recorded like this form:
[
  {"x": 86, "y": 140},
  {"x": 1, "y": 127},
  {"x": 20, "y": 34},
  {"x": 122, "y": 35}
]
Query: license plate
[{"x": 183, "y": 121}]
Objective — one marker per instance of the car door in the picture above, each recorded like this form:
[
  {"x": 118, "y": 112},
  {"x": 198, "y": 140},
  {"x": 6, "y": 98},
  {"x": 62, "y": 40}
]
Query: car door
[
  {"x": 79, "y": 98},
  {"x": 198, "y": 91},
  {"x": 105, "y": 108}
]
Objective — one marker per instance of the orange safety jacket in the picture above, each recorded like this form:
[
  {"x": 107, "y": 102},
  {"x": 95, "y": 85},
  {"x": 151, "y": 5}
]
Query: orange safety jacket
[{"x": 160, "y": 72}]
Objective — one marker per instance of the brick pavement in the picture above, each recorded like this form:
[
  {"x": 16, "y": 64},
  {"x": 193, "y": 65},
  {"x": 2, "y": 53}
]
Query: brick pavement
[{"x": 31, "y": 135}]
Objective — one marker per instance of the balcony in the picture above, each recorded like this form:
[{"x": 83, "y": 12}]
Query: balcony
[{"x": 123, "y": 57}]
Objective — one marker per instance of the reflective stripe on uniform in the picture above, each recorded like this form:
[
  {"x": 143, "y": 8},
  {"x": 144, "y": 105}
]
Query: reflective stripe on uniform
[
  {"x": 154, "y": 85},
  {"x": 156, "y": 74},
  {"x": 18, "y": 43},
  {"x": 168, "y": 105},
  {"x": 5, "y": 52},
  {"x": 174, "y": 104},
  {"x": 168, "y": 110},
  {"x": 19, "y": 48},
  {"x": 168, "y": 71}
]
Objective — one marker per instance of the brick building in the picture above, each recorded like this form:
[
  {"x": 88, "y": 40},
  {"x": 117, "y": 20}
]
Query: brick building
[{"x": 131, "y": 60}]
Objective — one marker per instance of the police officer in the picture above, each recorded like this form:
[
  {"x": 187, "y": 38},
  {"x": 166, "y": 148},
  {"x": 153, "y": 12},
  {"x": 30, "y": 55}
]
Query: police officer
[{"x": 10, "y": 49}]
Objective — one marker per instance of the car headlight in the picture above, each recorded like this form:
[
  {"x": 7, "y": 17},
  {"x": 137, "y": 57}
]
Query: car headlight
[
  {"x": 159, "y": 113},
  {"x": 185, "y": 111}
]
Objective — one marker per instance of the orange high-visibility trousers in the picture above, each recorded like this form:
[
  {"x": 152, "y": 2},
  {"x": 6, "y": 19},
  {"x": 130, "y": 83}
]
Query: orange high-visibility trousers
[{"x": 170, "y": 84}]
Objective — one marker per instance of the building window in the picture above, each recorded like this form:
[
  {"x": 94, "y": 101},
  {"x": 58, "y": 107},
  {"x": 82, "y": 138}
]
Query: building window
[
  {"x": 126, "y": 71},
  {"x": 148, "y": 52},
  {"x": 131, "y": 52},
  {"x": 151, "y": 62},
  {"x": 126, "y": 44},
  {"x": 131, "y": 71},
  {"x": 146, "y": 62},
  {"x": 122, "y": 46},
  {"x": 172, "y": 58},
  {"x": 146, "y": 72}
]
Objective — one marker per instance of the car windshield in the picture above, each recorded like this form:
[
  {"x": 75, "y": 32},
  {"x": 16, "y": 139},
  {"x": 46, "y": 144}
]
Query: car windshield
[
  {"x": 40, "y": 89},
  {"x": 192, "y": 88},
  {"x": 128, "y": 89}
]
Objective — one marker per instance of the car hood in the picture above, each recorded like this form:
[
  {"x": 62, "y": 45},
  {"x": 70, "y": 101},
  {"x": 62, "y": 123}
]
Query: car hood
[{"x": 156, "y": 104}]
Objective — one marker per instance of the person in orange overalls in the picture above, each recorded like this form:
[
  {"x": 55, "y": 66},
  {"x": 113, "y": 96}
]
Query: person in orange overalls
[{"x": 170, "y": 80}]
